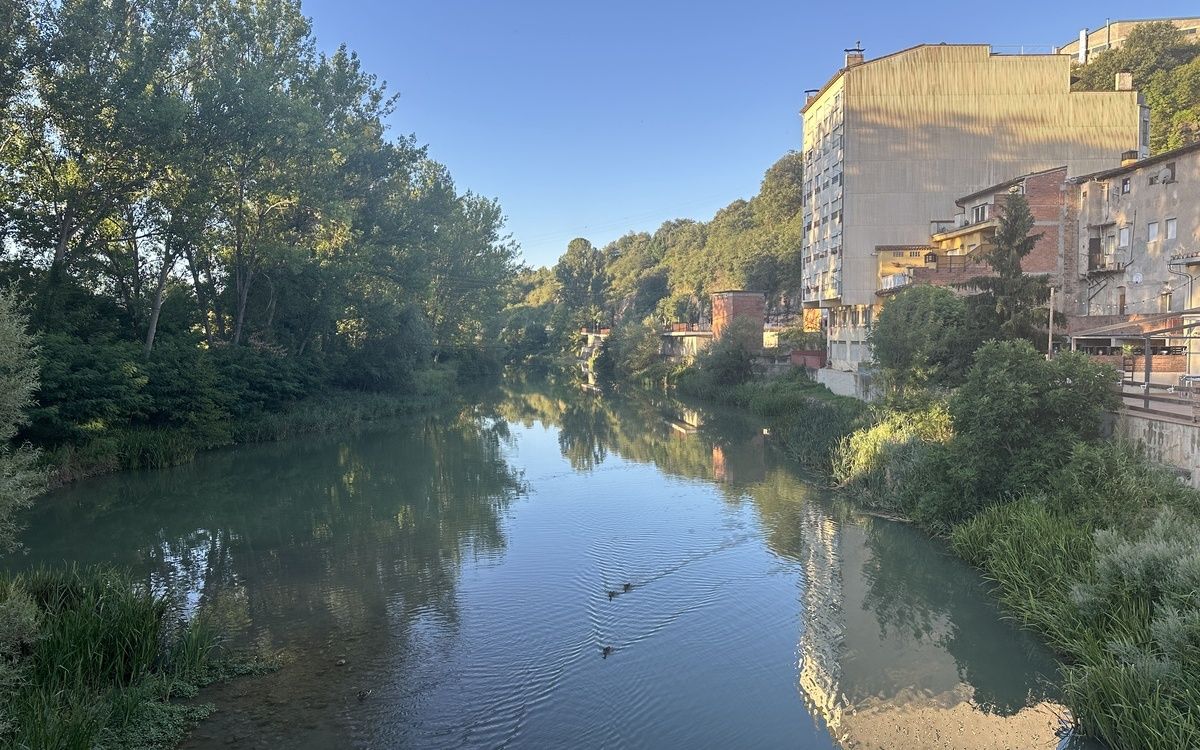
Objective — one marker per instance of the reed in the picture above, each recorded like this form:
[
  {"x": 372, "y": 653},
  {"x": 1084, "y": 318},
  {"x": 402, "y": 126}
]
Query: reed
[{"x": 92, "y": 659}]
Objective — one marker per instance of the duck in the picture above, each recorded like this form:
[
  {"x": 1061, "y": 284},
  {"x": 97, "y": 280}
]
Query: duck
[
  {"x": 604, "y": 652},
  {"x": 611, "y": 594},
  {"x": 364, "y": 693},
  {"x": 627, "y": 587}
]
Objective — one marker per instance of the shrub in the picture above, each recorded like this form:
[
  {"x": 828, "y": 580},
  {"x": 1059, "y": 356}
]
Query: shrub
[
  {"x": 923, "y": 338},
  {"x": 1017, "y": 417},
  {"x": 86, "y": 387},
  {"x": 633, "y": 349},
  {"x": 875, "y": 462}
]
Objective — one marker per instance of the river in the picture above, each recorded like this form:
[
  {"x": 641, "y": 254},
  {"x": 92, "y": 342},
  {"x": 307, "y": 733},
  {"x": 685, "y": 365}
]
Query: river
[{"x": 458, "y": 580}]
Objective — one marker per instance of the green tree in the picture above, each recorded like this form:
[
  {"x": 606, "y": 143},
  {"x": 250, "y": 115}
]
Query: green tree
[
  {"x": 1163, "y": 61},
  {"x": 924, "y": 337},
  {"x": 583, "y": 279},
  {"x": 1009, "y": 299},
  {"x": 20, "y": 478}
]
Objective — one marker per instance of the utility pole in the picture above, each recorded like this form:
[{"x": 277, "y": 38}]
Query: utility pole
[{"x": 1050, "y": 335}]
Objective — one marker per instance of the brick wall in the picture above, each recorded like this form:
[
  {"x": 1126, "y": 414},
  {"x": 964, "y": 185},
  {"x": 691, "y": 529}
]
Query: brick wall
[
  {"x": 1044, "y": 194},
  {"x": 730, "y": 306}
]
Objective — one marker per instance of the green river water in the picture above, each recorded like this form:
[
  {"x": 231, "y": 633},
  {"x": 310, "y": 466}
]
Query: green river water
[{"x": 442, "y": 582}]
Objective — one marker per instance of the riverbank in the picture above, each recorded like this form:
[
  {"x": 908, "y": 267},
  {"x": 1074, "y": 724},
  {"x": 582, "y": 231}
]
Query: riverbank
[
  {"x": 92, "y": 659},
  {"x": 153, "y": 448},
  {"x": 1098, "y": 552}
]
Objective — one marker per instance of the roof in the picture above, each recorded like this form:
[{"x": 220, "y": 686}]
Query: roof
[
  {"x": 906, "y": 50},
  {"x": 1132, "y": 328},
  {"x": 1112, "y": 21},
  {"x": 1147, "y": 162},
  {"x": 1006, "y": 184}
]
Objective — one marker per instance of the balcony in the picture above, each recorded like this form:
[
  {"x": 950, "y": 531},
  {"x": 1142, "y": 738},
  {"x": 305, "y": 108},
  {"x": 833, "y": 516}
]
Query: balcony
[{"x": 894, "y": 282}]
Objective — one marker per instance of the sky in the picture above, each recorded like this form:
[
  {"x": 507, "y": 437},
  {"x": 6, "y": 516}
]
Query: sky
[{"x": 593, "y": 119}]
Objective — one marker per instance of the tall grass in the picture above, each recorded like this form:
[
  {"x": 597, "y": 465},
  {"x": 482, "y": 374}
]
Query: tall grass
[
  {"x": 1106, "y": 566},
  {"x": 874, "y": 461},
  {"x": 89, "y": 658}
]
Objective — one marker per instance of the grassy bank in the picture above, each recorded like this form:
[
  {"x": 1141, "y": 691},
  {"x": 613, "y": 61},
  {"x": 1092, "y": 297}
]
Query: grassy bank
[
  {"x": 153, "y": 448},
  {"x": 1087, "y": 543},
  {"x": 90, "y": 659}
]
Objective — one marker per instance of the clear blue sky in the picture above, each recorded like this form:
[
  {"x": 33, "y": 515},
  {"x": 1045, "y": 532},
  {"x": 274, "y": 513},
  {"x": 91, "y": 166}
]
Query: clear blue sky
[{"x": 596, "y": 118}]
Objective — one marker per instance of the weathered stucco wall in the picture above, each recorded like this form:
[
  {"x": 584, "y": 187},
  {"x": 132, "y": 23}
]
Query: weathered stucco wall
[{"x": 1168, "y": 442}]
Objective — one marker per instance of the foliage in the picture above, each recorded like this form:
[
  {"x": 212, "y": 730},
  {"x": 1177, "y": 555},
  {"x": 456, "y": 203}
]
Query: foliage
[
  {"x": 1018, "y": 415},
  {"x": 633, "y": 350},
  {"x": 90, "y": 659},
  {"x": 724, "y": 364},
  {"x": 20, "y": 479},
  {"x": 208, "y": 218},
  {"x": 1107, "y": 573},
  {"x": 877, "y": 461},
  {"x": 1008, "y": 300},
  {"x": 670, "y": 273},
  {"x": 1165, "y": 64},
  {"x": 923, "y": 337}
]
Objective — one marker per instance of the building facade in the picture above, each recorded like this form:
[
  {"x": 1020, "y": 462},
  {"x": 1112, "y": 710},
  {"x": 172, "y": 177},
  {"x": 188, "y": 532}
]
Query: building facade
[
  {"x": 891, "y": 143},
  {"x": 1112, "y": 34},
  {"x": 1135, "y": 249}
]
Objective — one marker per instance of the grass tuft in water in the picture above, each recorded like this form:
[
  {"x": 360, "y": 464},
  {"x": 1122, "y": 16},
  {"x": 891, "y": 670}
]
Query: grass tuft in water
[{"x": 90, "y": 659}]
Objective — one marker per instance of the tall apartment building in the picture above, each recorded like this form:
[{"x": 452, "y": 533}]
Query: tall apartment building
[
  {"x": 890, "y": 143},
  {"x": 1112, "y": 34}
]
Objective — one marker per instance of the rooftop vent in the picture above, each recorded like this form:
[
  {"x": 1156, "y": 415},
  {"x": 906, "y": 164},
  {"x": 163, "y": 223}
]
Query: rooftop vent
[
  {"x": 1129, "y": 157},
  {"x": 810, "y": 94}
]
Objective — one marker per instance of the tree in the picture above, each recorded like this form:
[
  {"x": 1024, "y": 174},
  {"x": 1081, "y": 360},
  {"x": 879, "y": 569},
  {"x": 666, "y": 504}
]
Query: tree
[
  {"x": 1163, "y": 61},
  {"x": 924, "y": 337},
  {"x": 1009, "y": 299},
  {"x": 582, "y": 278},
  {"x": 20, "y": 478}
]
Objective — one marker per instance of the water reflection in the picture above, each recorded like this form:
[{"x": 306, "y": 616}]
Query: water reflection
[
  {"x": 457, "y": 566},
  {"x": 900, "y": 642}
]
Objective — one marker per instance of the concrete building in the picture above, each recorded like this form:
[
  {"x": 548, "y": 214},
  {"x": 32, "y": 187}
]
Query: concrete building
[
  {"x": 1135, "y": 244},
  {"x": 1113, "y": 34},
  {"x": 891, "y": 143}
]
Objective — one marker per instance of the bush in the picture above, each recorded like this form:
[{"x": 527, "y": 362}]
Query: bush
[
  {"x": 923, "y": 338},
  {"x": 385, "y": 355},
  {"x": 1119, "y": 603},
  {"x": 726, "y": 363},
  {"x": 184, "y": 392},
  {"x": 86, "y": 387},
  {"x": 632, "y": 350},
  {"x": 1016, "y": 420},
  {"x": 876, "y": 462}
]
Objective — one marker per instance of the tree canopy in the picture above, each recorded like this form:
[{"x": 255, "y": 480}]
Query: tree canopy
[
  {"x": 1165, "y": 64},
  {"x": 185, "y": 181}
]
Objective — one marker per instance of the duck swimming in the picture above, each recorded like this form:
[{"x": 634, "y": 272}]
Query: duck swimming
[
  {"x": 627, "y": 587},
  {"x": 611, "y": 594},
  {"x": 604, "y": 652}
]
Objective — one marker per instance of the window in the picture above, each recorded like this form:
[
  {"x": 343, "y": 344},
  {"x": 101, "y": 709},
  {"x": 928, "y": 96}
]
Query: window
[
  {"x": 1168, "y": 172},
  {"x": 1124, "y": 185},
  {"x": 1164, "y": 301},
  {"x": 979, "y": 213},
  {"x": 1152, "y": 231},
  {"x": 1120, "y": 300},
  {"x": 1171, "y": 229},
  {"x": 1123, "y": 237}
]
